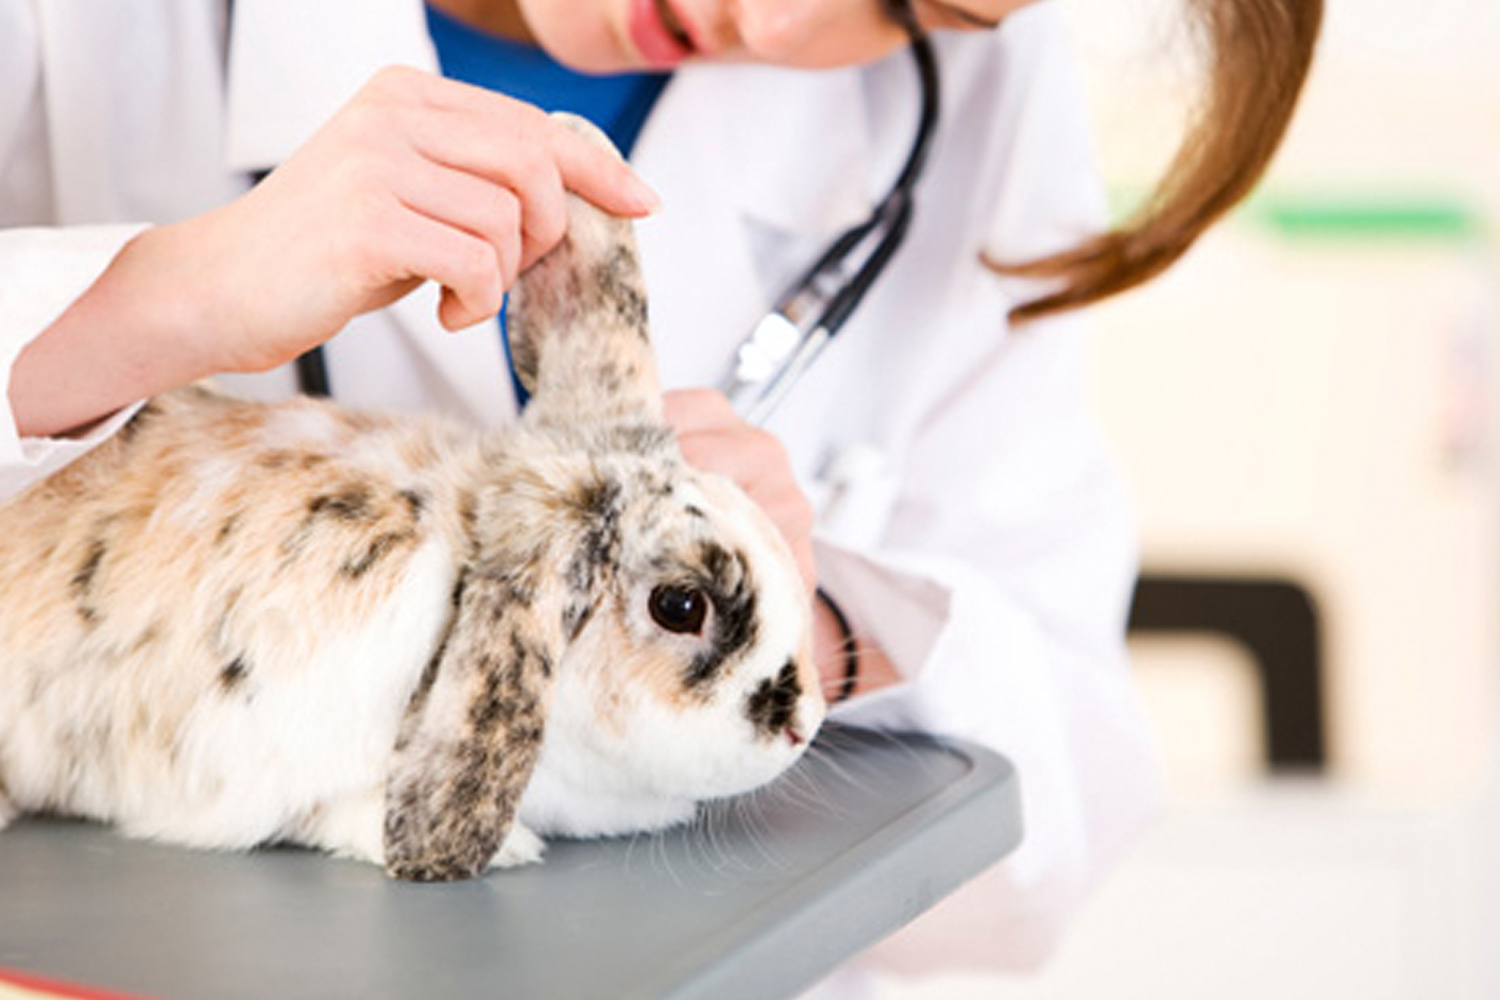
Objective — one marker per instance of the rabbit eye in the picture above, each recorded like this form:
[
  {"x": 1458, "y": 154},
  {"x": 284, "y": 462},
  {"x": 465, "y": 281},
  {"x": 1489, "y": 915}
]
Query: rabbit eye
[{"x": 678, "y": 609}]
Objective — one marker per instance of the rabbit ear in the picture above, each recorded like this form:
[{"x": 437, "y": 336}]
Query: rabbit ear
[
  {"x": 471, "y": 734},
  {"x": 577, "y": 321}
]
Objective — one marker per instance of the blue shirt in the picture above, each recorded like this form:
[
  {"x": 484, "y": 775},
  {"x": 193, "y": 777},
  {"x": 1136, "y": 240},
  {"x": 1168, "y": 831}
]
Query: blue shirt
[{"x": 617, "y": 103}]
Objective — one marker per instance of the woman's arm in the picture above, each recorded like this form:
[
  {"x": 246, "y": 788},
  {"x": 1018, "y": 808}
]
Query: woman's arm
[{"x": 416, "y": 178}]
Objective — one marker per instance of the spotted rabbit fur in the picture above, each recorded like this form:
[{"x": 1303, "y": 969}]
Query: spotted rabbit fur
[{"x": 396, "y": 638}]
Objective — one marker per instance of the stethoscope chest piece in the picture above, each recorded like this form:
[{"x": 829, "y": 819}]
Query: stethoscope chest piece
[{"x": 784, "y": 344}]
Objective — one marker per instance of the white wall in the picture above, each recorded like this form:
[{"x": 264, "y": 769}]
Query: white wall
[{"x": 1324, "y": 408}]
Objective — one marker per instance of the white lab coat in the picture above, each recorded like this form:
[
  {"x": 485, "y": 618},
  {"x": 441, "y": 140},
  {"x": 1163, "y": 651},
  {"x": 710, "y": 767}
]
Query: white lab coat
[{"x": 983, "y": 540}]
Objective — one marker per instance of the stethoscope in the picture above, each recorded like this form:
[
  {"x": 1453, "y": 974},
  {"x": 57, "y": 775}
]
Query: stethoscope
[{"x": 785, "y": 343}]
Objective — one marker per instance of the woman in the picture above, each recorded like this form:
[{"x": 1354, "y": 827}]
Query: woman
[{"x": 971, "y": 529}]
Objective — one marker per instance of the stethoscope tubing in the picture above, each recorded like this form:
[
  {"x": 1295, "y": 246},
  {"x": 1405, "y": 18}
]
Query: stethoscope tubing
[{"x": 786, "y": 342}]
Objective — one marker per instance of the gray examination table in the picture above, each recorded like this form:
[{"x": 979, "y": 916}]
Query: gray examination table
[{"x": 758, "y": 901}]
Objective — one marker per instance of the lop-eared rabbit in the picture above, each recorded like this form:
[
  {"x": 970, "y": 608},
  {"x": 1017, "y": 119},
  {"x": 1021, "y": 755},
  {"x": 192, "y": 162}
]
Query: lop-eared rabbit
[{"x": 399, "y": 639}]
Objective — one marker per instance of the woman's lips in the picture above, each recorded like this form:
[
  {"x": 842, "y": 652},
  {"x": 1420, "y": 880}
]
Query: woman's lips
[
  {"x": 658, "y": 34},
  {"x": 674, "y": 24}
]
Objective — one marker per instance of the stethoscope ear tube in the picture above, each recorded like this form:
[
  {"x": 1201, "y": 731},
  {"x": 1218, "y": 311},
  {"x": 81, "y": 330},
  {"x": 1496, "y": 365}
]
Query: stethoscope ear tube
[
  {"x": 842, "y": 305},
  {"x": 818, "y": 304}
]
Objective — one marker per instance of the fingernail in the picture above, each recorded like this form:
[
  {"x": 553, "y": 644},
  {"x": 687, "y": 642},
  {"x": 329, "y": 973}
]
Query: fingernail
[{"x": 642, "y": 194}]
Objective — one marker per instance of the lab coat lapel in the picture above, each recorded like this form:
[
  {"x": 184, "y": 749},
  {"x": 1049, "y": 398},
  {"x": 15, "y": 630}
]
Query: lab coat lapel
[
  {"x": 750, "y": 162},
  {"x": 293, "y": 63},
  {"x": 87, "y": 48},
  {"x": 82, "y": 188}
]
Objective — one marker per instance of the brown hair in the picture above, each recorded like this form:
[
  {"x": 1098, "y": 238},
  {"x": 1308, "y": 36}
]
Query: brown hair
[{"x": 1258, "y": 53}]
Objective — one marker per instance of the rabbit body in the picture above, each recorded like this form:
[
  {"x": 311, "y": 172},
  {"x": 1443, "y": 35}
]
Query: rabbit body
[
  {"x": 215, "y": 619},
  {"x": 397, "y": 638}
]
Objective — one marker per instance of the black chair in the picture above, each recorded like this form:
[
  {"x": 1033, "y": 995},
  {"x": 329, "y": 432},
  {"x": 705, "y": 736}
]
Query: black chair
[{"x": 1277, "y": 621}]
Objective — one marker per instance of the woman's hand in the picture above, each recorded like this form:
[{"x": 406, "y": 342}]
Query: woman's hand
[
  {"x": 714, "y": 438},
  {"x": 416, "y": 178}
]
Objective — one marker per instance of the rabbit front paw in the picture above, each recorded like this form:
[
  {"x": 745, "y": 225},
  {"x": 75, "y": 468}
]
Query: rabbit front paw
[{"x": 521, "y": 847}]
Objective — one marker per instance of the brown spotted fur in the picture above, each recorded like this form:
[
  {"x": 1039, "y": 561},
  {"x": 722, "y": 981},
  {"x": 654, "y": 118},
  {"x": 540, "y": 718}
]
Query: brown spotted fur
[{"x": 238, "y": 622}]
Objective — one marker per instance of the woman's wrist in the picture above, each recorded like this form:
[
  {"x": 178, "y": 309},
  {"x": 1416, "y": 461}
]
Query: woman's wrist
[
  {"x": 845, "y": 681},
  {"x": 846, "y": 661},
  {"x": 130, "y": 335}
]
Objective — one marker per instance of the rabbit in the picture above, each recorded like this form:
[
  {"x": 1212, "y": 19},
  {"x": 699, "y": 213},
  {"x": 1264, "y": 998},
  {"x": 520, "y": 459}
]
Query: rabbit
[{"x": 396, "y": 638}]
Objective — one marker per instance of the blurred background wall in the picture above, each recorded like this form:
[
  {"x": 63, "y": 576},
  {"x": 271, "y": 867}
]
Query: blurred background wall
[{"x": 1306, "y": 410}]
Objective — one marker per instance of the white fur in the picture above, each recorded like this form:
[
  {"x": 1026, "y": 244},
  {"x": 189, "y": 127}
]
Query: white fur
[
  {"x": 246, "y": 768},
  {"x": 329, "y": 726},
  {"x": 649, "y": 766}
]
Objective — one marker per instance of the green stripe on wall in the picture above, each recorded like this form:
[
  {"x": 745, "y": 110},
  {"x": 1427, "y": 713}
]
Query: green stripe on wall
[
  {"x": 1396, "y": 217},
  {"x": 1383, "y": 218}
]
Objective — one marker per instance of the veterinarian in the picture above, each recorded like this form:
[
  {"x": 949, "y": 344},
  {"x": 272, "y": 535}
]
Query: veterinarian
[{"x": 970, "y": 527}]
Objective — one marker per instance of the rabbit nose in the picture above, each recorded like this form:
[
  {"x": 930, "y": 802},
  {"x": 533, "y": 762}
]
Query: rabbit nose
[{"x": 773, "y": 705}]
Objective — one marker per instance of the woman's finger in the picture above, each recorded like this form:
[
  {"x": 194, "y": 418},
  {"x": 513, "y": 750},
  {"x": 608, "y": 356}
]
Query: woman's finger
[
  {"x": 714, "y": 438},
  {"x": 491, "y": 212},
  {"x": 600, "y": 175},
  {"x": 517, "y": 144},
  {"x": 699, "y": 409},
  {"x": 469, "y": 268},
  {"x": 525, "y": 166}
]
